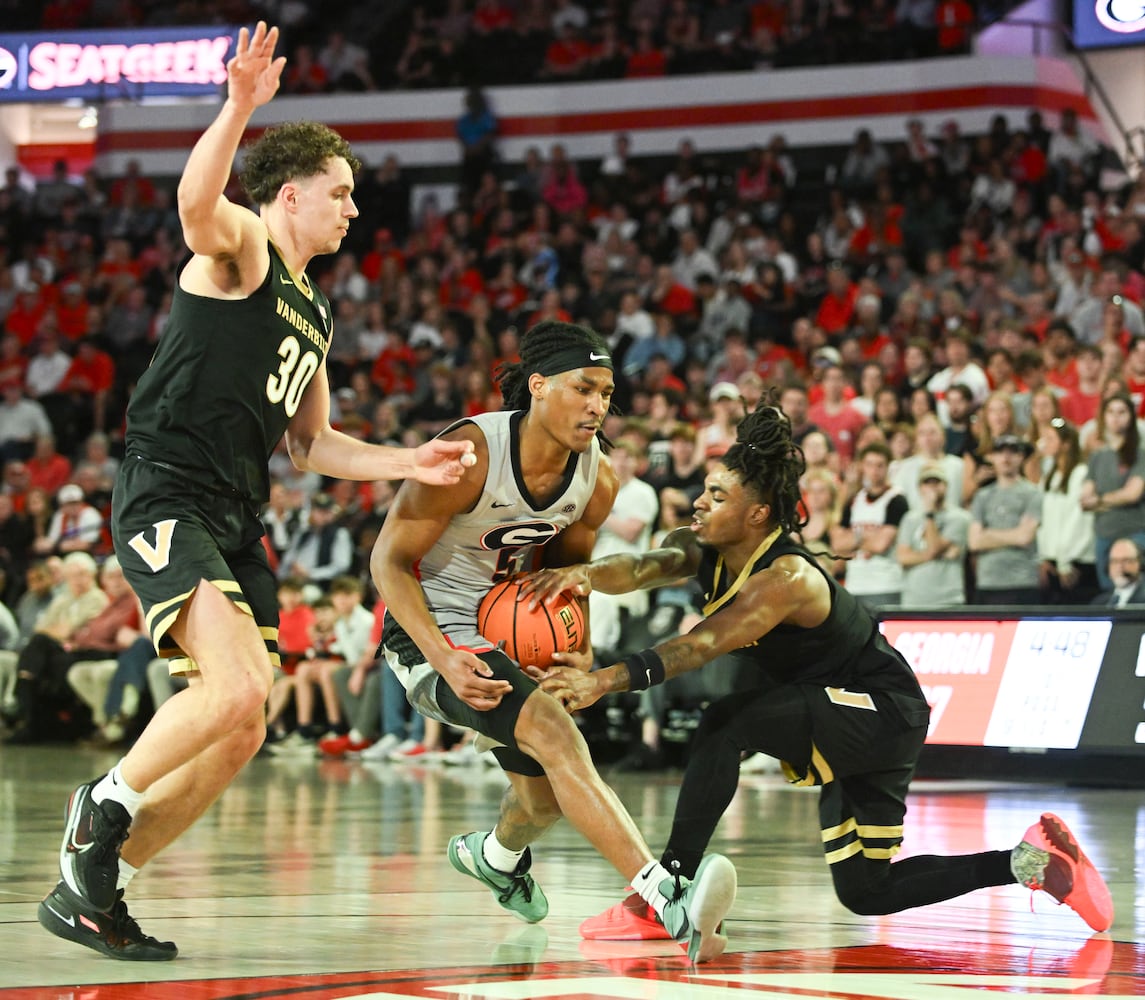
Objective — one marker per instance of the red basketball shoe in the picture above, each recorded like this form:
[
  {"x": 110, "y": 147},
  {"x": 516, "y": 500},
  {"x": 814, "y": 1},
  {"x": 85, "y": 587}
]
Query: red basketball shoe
[
  {"x": 631, "y": 920},
  {"x": 1049, "y": 858}
]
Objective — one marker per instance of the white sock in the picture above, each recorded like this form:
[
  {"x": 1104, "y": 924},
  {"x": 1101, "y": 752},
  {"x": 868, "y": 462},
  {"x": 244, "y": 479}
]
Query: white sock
[
  {"x": 356, "y": 736},
  {"x": 126, "y": 874},
  {"x": 498, "y": 855},
  {"x": 646, "y": 883},
  {"x": 115, "y": 788}
]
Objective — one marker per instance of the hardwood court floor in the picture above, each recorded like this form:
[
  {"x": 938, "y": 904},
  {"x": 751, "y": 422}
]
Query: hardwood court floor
[{"x": 329, "y": 879}]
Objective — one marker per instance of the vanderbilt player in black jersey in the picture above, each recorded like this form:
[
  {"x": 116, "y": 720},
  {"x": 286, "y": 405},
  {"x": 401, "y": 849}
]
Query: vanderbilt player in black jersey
[
  {"x": 834, "y": 701},
  {"x": 240, "y": 362}
]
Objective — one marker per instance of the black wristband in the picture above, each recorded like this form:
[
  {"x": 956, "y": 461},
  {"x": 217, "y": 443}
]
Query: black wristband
[{"x": 645, "y": 669}]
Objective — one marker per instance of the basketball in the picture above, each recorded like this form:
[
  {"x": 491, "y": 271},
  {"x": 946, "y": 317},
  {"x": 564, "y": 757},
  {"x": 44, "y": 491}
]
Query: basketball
[{"x": 531, "y": 636}]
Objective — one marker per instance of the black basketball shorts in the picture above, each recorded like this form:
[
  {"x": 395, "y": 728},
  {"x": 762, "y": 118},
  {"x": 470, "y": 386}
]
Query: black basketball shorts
[{"x": 171, "y": 534}]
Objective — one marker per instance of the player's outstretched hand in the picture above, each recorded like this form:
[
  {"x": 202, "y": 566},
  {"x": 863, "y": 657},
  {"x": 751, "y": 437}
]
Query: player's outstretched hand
[
  {"x": 472, "y": 680},
  {"x": 547, "y": 584},
  {"x": 573, "y": 688},
  {"x": 577, "y": 659},
  {"x": 252, "y": 72},
  {"x": 442, "y": 463}
]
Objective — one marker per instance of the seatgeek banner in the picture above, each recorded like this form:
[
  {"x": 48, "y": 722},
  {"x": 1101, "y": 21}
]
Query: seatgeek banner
[{"x": 114, "y": 65}]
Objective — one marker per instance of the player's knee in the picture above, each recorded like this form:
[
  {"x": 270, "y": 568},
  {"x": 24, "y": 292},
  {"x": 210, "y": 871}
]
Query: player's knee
[
  {"x": 859, "y": 900},
  {"x": 251, "y": 736},
  {"x": 240, "y": 700},
  {"x": 546, "y": 732}
]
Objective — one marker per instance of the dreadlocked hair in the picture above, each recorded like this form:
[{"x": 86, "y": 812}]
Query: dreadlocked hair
[
  {"x": 539, "y": 344},
  {"x": 768, "y": 461}
]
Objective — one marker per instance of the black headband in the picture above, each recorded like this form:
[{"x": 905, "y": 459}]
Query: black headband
[{"x": 573, "y": 357}]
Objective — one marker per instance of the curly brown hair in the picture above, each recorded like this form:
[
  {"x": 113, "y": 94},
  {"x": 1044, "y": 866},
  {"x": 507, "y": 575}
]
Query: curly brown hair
[{"x": 288, "y": 152}]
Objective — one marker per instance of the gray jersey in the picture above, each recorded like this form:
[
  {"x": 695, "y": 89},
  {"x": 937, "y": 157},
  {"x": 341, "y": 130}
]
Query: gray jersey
[{"x": 502, "y": 535}]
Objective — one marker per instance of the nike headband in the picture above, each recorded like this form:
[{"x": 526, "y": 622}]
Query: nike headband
[{"x": 575, "y": 356}]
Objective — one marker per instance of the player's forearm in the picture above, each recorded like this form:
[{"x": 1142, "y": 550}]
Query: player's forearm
[
  {"x": 679, "y": 655},
  {"x": 623, "y": 573},
  {"x": 332, "y": 453},
  {"x": 208, "y": 167},
  {"x": 405, "y": 600}
]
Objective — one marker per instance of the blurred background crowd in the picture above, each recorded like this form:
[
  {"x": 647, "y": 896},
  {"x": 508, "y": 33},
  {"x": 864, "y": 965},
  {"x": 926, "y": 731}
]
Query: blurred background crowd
[{"x": 952, "y": 322}]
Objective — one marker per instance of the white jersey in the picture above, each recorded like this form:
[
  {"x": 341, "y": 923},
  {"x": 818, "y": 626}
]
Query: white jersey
[{"x": 502, "y": 535}]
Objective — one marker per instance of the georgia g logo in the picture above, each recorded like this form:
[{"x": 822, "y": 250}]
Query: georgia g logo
[
  {"x": 1122, "y": 16},
  {"x": 517, "y": 534},
  {"x": 8, "y": 69}
]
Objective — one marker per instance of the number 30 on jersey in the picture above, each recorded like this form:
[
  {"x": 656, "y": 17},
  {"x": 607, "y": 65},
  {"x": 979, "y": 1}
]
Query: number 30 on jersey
[{"x": 297, "y": 368}]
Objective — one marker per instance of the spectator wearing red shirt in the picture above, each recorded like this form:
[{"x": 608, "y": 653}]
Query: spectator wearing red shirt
[
  {"x": 87, "y": 386},
  {"x": 954, "y": 18},
  {"x": 823, "y": 358},
  {"x": 295, "y": 617},
  {"x": 491, "y": 16},
  {"x": 567, "y": 54},
  {"x": 1080, "y": 405},
  {"x": 47, "y": 468},
  {"x": 24, "y": 317},
  {"x": 969, "y": 249},
  {"x": 1134, "y": 373},
  {"x": 13, "y": 364},
  {"x": 461, "y": 280},
  {"x": 142, "y": 189},
  {"x": 563, "y": 192},
  {"x": 1026, "y": 160},
  {"x": 1059, "y": 348},
  {"x": 505, "y": 292},
  {"x": 837, "y": 310},
  {"x": 384, "y": 249},
  {"x": 755, "y": 180},
  {"x": 1037, "y": 315},
  {"x": 646, "y": 59},
  {"x": 773, "y": 361},
  {"x": 767, "y": 20},
  {"x": 72, "y": 312},
  {"x": 868, "y": 329},
  {"x": 835, "y": 416},
  {"x": 879, "y": 235},
  {"x": 305, "y": 74},
  {"x": 668, "y": 295}
]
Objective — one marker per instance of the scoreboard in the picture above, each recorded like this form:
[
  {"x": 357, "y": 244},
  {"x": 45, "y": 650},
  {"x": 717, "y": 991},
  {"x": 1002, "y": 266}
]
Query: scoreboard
[{"x": 1022, "y": 681}]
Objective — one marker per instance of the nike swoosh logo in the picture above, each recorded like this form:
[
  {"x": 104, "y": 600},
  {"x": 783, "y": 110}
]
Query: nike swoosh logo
[
  {"x": 286, "y": 281},
  {"x": 69, "y": 920},
  {"x": 496, "y": 504},
  {"x": 597, "y": 357},
  {"x": 74, "y": 846},
  {"x": 647, "y": 677}
]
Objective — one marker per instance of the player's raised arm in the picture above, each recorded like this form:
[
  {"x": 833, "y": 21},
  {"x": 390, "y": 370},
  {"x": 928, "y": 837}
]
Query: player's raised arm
[{"x": 213, "y": 226}]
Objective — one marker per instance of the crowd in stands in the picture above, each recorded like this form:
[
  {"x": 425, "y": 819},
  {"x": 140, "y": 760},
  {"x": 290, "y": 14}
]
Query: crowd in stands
[
  {"x": 449, "y": 43},
  {"x": 953, "y": 325}
]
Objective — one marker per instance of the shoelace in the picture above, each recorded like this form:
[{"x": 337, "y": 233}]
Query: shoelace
[
  {"x": 674, "y": 871},
  {"x": 108, "y": 834},
  {"x": 518, "y": 884},
  {"x": 123, "y": 924}
]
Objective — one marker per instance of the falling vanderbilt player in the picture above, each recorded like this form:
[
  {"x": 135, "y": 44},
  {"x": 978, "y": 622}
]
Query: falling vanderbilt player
[
  {"x": 834, "y": 701},
  {"x": 240, "y": 362}
]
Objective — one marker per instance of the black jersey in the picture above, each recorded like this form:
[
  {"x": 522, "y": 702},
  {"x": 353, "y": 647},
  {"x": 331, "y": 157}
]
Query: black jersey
[
  {"x": 226, "y": 379},
  {"x": 846, "y": 651}
]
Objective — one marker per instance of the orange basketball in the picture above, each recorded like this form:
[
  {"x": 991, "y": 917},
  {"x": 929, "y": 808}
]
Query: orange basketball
[{"x": 531, "y": 636}]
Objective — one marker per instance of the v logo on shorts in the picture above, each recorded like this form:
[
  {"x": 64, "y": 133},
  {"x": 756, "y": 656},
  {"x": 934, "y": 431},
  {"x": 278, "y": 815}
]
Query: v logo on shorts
[{"x": 156, "y": 556}]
